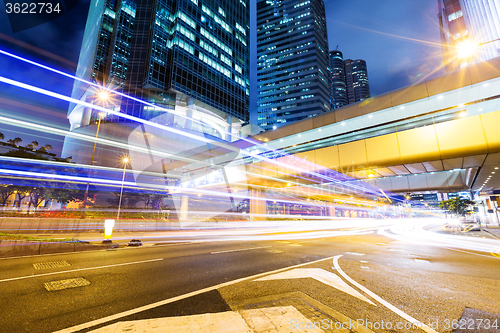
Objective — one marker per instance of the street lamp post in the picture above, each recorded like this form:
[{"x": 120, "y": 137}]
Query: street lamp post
[
  {"x": 103, "y": 96},
  {"x": 85, "y": 196},
  {"x": 125, "y": 162}
]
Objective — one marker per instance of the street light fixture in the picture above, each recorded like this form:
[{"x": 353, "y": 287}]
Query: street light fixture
[
  {"x": 125, "y": 163},
  {"x": 103, "y": 95}
]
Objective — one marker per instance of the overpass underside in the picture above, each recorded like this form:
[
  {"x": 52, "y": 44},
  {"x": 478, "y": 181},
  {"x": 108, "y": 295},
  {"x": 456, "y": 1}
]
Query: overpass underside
[{"x": 439, "y": 135}]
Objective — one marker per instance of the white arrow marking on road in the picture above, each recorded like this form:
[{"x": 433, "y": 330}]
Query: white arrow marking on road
[
  {"x": 320, "y": 275},
  {"x": 391, "y": 307}
]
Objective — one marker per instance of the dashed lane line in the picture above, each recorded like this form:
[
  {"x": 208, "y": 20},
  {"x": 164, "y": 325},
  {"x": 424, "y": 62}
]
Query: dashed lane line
[
  {"x": 391, "y": 307},
  {"x": 79, "y": 270},
  {"x": 237, "y": 250}
]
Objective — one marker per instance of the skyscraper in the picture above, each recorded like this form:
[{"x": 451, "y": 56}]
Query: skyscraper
[
  {"x": 339, "y": 88},
  {"x": 453, "y": 32},
  {"x": 470, "y": 30},
  {"x": 169, "y": 53},
  {"x": 292, "y": 69},
  {"x": 356, "y": 74}
]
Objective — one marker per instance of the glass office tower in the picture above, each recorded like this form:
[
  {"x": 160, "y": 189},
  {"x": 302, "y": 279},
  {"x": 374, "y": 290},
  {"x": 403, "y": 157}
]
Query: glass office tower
[
  {"x": 472, "y": 25},
  {"x": 292, "y": 69},
  {"x": 356, "y": 74},
  {"x": 339, "y": 88},
  {"x": 453, "y": 32},
  {"x": 168, "y": 53}
]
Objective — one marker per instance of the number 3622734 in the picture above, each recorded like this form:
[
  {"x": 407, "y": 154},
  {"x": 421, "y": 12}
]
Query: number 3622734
[{"x": 32, "y": 8}]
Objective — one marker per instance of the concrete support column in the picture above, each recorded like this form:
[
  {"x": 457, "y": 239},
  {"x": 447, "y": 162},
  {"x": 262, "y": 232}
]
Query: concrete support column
[
  {"x": 87, "y": 113},
  {"x": 189, "y": 113},
  {"x": 229, "y": 128},
  {"x": 331, "y": 209},
  {"x": 257, "y": 204},
  {"x": 171, "y": 118},
  {"x": 183, "y": 216}
]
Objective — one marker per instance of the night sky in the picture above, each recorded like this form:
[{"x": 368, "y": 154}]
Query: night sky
[{"x": 398, "y": 39}]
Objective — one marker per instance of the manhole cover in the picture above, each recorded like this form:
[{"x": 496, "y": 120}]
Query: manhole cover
[
  {"x": 65, "y": 284},
  {"x": 51, "y": 264}
]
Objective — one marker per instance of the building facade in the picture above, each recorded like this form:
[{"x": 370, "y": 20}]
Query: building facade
[
  {"x": 356, "y": 75},
  {"x": 187, "y": 56},
  {"x": 339, "y": 88},
  {"x": 470, "y": 30},
  {"x": 293, "y": 79}
]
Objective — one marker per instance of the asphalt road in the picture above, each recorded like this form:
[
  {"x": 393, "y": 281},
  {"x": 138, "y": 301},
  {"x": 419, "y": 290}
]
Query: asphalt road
[{"x": 428, "y": 276}]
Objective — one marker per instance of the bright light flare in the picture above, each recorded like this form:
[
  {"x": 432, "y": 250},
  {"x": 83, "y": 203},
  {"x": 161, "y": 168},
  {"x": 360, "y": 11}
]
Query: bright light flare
[
  {"x": 466, "y": 49},
  {"x": 103, "y": 95}
]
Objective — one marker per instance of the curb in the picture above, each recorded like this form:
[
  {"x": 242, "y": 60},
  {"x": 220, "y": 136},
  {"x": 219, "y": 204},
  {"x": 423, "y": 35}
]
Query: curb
[{"x": 492, "y": 234}]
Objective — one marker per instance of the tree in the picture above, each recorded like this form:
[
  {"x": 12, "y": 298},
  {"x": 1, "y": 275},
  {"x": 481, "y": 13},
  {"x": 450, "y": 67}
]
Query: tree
[
  {"x": 15, "y": 141},
  {"x": 64, "y": 193},
  {"x": 36, "y": 196},
  {"x": 24, "y": 154},
  {"x": 456, "y": 205},
  {"x": 46, "y": 148},
  {"x": 2, "y": 136},
  {"x": 33, "y": 145},
  {"x": 22, "y": 192},
  {"x": 5, "y": 192}
]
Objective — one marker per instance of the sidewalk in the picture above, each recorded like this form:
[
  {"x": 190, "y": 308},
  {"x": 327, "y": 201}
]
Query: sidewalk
[{"x": 493, "y": 230}]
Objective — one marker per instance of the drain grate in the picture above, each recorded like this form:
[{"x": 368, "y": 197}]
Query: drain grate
[
  {"x": 478, "y": 321},
  {"x": 65, "y": 284},
  {"x": 51, "y": 264}
]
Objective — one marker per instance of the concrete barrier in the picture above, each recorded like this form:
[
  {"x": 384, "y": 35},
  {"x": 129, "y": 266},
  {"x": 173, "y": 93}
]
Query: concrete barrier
[
  {"x": 11, "y": 225},
  {"x": 27, "y": 225},
  {"x": 18, "y": 248},
  {"x": 58, "y": 247}
]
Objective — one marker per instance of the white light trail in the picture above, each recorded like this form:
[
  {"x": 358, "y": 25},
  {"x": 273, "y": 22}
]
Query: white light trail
[{"x": 180, "y": 132}]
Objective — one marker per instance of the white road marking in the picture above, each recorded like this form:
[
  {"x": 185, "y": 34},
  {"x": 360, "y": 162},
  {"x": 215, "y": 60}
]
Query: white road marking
[
  {"x": 242, "y": 321},
  {"x": 250, "y": 248},
  {"x": 177, "y": 298},
  {"x": 355, "y": 254},
  {"x": 365, "y": 267},
  {"x": 79, "y": 270},
  {"x": 224, "y": 322},
  {"x": 363, "y": 261},
  {"x": 320, "y": 275},
  {"x": 171, "y": 244},
  {"x": 422, "y": 260},
  {"x": 476, "y": 254},
  {"x": 380, "y": 300}
]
